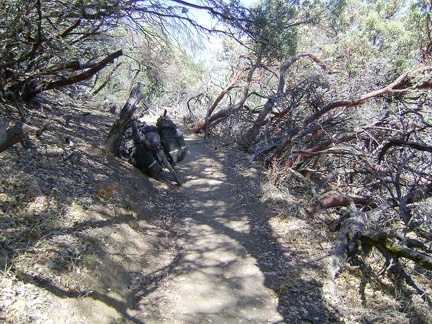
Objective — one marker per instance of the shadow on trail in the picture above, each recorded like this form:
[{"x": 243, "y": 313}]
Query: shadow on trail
[
  {"x": 232, "y": 265},
  {"x": 60, "y": 234},
  {"x": 227, "y": 260}
]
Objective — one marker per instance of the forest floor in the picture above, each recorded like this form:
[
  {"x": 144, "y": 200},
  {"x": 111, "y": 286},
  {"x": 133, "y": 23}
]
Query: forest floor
[{"x": 87, "y": 238}]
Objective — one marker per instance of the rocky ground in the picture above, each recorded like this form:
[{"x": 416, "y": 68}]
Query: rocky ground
[{"x": 87, "y": 238}]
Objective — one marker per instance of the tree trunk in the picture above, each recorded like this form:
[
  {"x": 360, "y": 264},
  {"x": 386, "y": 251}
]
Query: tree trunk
[
  {"x": 225, "y": 112},
  {"x": 12, "y": 135},
  {"x": 268, "y": 106},
  {"x": 203, "y": 123},
  {"x": 31, "y": 92},
  {"x": 112, "y": 142}
]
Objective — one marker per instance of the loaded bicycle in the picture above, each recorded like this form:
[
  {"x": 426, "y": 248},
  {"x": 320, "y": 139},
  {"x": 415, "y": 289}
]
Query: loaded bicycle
[{"x": 153, "y": 148}]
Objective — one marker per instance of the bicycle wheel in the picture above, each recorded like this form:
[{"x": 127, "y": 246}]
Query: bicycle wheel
[{"x": 169, "y": 166}]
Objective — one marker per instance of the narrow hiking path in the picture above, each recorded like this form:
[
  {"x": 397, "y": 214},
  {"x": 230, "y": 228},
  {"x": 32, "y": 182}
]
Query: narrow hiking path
[
  {"x": 234, "y": 261},
  {"x": 216, "y": 276},
  {"x": 89, "y": 239}
]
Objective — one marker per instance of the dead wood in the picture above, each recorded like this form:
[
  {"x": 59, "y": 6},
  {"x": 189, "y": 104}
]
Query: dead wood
[
  {"x": 340, "y": 171},
  {"x": 225, "y": 112},
  {"x": 346, "y": 243},
  {"x": 402, "y": 83},
  {"x": 393, "y": 245},
  {"x": 260, "y": 151},
  {"x": 268, "y": 106},
  {"x": 13, "y": 135},
  {"x": 107, "y": 80},
  {"x": 337, "y": 201},
  {"x": 308, "y": 152},
  {"x": 112, "y": 142},
  {"x": 88, "y": 73},
  {"x": 204, "y": 122},
  {"x": 399, "y": 246},
  {"x": 398, "y": 142}
]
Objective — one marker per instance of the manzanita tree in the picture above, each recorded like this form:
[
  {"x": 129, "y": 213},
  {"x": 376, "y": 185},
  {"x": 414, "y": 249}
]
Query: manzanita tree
[
  {"x": 351, "y": 121},
  {"x": 47, "y": 45},
  {"x": 268, "y": 33}
]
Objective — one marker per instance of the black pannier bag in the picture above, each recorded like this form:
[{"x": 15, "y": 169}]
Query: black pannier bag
[
  {"x": 140, "y": 155},
  {"x": 172, "y": 139}
]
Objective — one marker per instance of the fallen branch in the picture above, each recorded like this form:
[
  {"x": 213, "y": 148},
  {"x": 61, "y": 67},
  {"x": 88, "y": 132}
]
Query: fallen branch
[
  {"x": 398, "y": 142},
  {"x": 13, "y": 135},
  {"x": 337, "y": 201},
  {"x": 391, "y": 244},
  {"x": 73, "y": 79},
  {"x": 346, "y": 243},
  {"x": 204, "y": 122},
  {"x": 308, "y": 182},
  {"x": 268, "y": 106},
  {"x": 400, "y": 247},
  {"x": 108, "y": 79},
  {"x": 340, "y": 171},
  {"x": 261, "y": 151},
  {"x": 402, "y": 83},
  {"x": 112, "y": 142}
]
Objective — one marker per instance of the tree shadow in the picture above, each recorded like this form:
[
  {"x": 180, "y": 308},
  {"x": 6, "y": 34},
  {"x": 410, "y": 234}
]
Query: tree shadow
[
  {"x": 93, "y": 202},
  {"x": 67, "y": 206},
  {"x": 221, "y": 226}
]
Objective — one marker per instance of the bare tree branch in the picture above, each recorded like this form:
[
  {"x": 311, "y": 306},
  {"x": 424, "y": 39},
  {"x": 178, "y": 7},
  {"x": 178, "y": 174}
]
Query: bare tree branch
[{"x": 402, "y": 83}]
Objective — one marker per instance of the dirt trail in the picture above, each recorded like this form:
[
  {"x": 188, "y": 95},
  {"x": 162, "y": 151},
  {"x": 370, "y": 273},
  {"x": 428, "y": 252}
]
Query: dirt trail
[
  {"x": 87, "y": 238},
  {"x": 216, "y": 276},
  {"x": 115, "y": 246}
]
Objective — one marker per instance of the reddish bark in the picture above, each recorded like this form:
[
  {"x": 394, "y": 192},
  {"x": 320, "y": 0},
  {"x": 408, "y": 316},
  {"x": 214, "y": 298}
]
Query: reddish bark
[
  {"x": 293, "y": 158},
  {"x": 202, "y": 123},
  {"x": 268, "y": 106},
  {"x": 225, "y": 112},
  {"x": 403, "y": 82},
  {"x": 316, "y": 149},
  {"x": 336, "y": 201}
]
